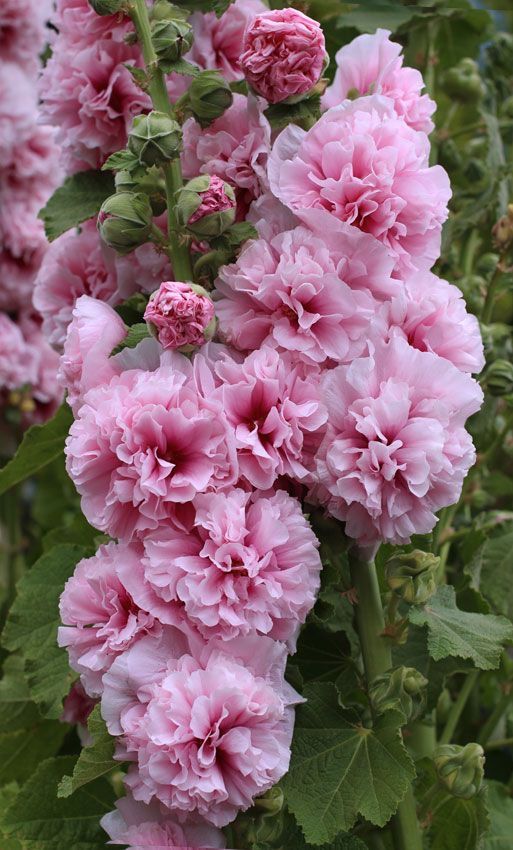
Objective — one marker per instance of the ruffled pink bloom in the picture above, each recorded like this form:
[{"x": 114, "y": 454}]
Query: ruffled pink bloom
[
  {"x": 80, "y": 25},
  {"x": 141, "y": 826},
  {"x": 23, "y": 31},
  {"x": 274, "y": 409},
  {"x": 395, "y": 450},
  {"x": 18, "y": 110},
  {"x": 246, "y": 564},
  {"x": 218, "y": 41},
  {"x": 270, "y": 216},
  {"x": 92, "y": 334},
  {"x": 364, "y": 165},
  {"x": 77, "y": 706},
  {"x": 46, "y": 392},
  {"x": 100, "y": 618},
  {"x": 145, "y": 443},
  {"x": 142, "y": 269},
  {"x": 431, "y": 315},
  {"x": 18, "y": 361},
  {"x": 288, "y": 294},
  {"x": 210, "y": 731},
  {"x": 372, "y": 64},
  {"x": 178, "y": 315},
  {"x": 235, "y": 147},
  {"x": 284, "y": 54}
]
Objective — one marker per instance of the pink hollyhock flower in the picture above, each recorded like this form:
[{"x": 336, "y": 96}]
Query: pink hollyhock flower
[
  {"x": 270, "y": 216},
  {"x": 288, "y": 294},
  {"x": 75, "y": 264},
  {"x": 143, "y": 269},
  {"x": 284, "y": 54},
  {"x": 372, "y": 64},
  {"x": 208, "y": 734},
  {"x": 144, "y": 443},
  {"x": 77, "y": 706},
  {"x": 180, "y": 315},
  {"x": 274, "y": 409},
  {"x": 431, "y": 315},
  {"x": 246, "y": 564},
  {"x": 235, "y": 147},
  {"x": 18, "y": 361},
  {"x": 218, "y": 41},
  {"x": 18, "y": 110},
  {"x": 23, "y": 31},
  {"x": 395, "y": 449},
  {"x": 80, "y": 25},
  {"x": 100, "y": 617},
  {"x": 143, "y": 826},
  {"x": 46, "y": 392},
  {"x": 94, "y": 331},
  {"x": 364, "y": 165}
]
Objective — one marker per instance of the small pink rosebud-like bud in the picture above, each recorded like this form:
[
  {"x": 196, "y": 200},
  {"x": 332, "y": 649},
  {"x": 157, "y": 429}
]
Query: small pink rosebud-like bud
[
  {"x": 206, "y": 206},
  {"x": 283, "y": 55},
  {"x": 181, "y": 315}
]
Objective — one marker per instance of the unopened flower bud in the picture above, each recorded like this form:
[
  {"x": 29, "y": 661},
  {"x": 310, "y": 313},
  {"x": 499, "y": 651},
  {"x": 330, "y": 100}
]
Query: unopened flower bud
[
  {"x": 171, "y": 39},
  {"x": 464, "y": 83},
  {"x": 460, "y": 769},
  {"x": 412, "y": 576},
  {"x": 499, "y": 378},
  {"x": 209, "y": 97},
  {"x": 502, "y": 232},
  {"x": 125, "y": 221},
  {"x": 402, "y": 689},
  {"x": 181, "y": 315},
  {"x": 155, "y": 138},
  {"x": 107, "y": 7},
  {"x": 206, "y": 206}
]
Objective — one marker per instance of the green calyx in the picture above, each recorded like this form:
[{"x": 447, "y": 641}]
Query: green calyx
[
  {"x": 460, "y": 770},
  {"x": 150, "y": 181},
  {"x": 125, "y": 221},
  {"x": 412, "y": 576},
  {"x": 402, "y": 689},
  {"x": 208, "y": 97},
  {"x": 171, "y": 39},
  {"x": 155, "y": 138},
  {"x": 189, "y": 200}
]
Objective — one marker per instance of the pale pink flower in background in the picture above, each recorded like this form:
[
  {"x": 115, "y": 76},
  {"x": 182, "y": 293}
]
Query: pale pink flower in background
[
  {"x": 179, "y": 315},
  {"x": 365, "y": 166},
  {"x": 218, "y": 41},
  {"x": 143, "y": 269},
  {"x": 18, "y": 110},
  {"x": 372, "y": 64},
  {"x": 100, "y": 618},
  {"x": 141, "y": 826},
  {"x": 270, "y": 216},
  {"x": 92, "y": 334},
  {"x": 284, "y": 54},
  {"x": 18, "y": 361},
  {"x": 47, "y": 393},
  {"x": 395, "y": 450},
  {"x": 287, "y": 293},
  {"x": 21, "y": 252},
  {"x": 77, "y": 707},
  {"x": 23, "y": 31}
]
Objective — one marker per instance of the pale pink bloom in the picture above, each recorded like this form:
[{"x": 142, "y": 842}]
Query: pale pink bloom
[
  {"x": 372, "y": 64},
  {"x": 78, "y": 23},
  {"x": 141, "y": 826},
  {"x": 270, "y": 216},
  {"x": 284, "y": 54},
  {"x": 179, "y": 315},
  {"x": 92, "y": 334},
  {"x": 143, "y": 269},
  {"x": 145, "y": 443},
  {"x": 288, "y": 294},
  {"x": 18, "y": 110},
  {"x": 235, "y": 147},
  {"x": 77, "y": 705},
  {"x": 18, "y": 361},
  {"x": 431, "y": 315},
  {"x": 100, "y": 618},
  {"x": 23, "y": 32},
  {"x": 395, "y": 450},
  {"x": 365, "y": 166},
  {"x": 46, "y": 392},
  {"x": 218, "y": 41}
]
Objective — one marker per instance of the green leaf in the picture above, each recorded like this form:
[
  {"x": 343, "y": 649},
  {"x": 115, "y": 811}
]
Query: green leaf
[
  {"x": 120, "y": 161},
  {"x": 77, "y": 531},
  {"x": 78, "y": 199},
  {"x": 40, "y": 445},
  {"x": 7, "y": 794},
  {"x": 132, "y": 309},
  {"x": 326, "y": 657},
  {"x": 380, "y": 15},
  {"x": 39, "y": 820},
  {"x": 304, "y": 114},
  {"x": 500, "y": 808},
  {"x": 95, "y": 760},
  {"x": 294, "y": 838},
  {"x": 479, "y": 637},
  {"x": 492, "y": 568},
  {"x": 139, "y": 76},
  {"x": 135, "y": 335},
  {"x": 180, "y": 66},
  {"x": 451, "y": 823},
  {"x": 340, "y": 770},
  {"x": 32, "y": 624}
]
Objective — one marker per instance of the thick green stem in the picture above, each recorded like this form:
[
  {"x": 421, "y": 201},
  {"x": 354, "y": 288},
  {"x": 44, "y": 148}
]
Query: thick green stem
[
  {"x": 377, "y": 658},
  {"x": 178, "y": 252},
  {"x": 496, "y": 715},
  {"x": 10, "y": 540},
  {"x": 458, "y": 706},
  {"x": 491, "y": 293},
  {"x": 422, "y": 737}
]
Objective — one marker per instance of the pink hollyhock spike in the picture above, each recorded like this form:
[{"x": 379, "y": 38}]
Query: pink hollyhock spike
[
  {"x": 372, "y": 64},
  {"x": 284, "y": 54},
  {"x": 181, "y": 315},
  {"x": 218, "y": 41}
]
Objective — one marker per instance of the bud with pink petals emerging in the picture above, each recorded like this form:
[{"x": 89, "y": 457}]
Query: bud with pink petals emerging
[
  {"x": 206, "y": 206},
  {"x": 181, "y": 315}
]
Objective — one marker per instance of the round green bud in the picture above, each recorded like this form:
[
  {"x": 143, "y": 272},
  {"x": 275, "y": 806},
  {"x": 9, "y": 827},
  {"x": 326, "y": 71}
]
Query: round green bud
[
  {"x": 125, "y": 221},
  {"x": 107, "y": 7},
  {"x": 155, "y": 138},
  {"x": 460, "y": 770},
  {"x": 209, "y": 96},
  {"x": 464, "y": 83},
  {"x": 171, "y": 39},
  {"x": 402, "y": 689},
  {"x": 412, "y": 576},
  {"x": 499, "y": 378},
  {"x": 147, "y": 180},
  {"x": 206, "y": 206}
]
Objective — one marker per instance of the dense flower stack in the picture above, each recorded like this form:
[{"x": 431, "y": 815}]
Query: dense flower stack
[
  {"x": 323, "y": 363},
  {"x": 29, "y": 173}
]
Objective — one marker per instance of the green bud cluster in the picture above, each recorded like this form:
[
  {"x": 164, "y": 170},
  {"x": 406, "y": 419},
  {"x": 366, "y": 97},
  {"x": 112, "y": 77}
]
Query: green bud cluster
[
  {"x": 171, "y": 39},
  {"x": 460, "y": 770},
  {"x": 402, "y": 689},
  {"x": 412, "y": 576},
  {"x": 150, "y": 181},
  {"x": 499, "y": 378},
  {"x": 155, "y": 138},
  {"x": 208, "y": 97},
  {"x": 125, "y": 221},
  {"x": 464, "y": 83}
]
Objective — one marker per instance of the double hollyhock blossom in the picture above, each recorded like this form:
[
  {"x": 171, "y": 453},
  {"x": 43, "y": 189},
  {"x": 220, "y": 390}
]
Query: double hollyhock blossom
[
  {"x": 364, "y": 165},
  {"x": 244, "y": 564},
  {"x": 395, "y": 449},
  {"x": 180, "y": 314},
  {"x": 23, "y": 31},
  {"x": 208, "y": 726},
  {"x": 218, "y": 41},
  {"x": 18, "y": 361},
  {"x": 284, "y": 54},
  {"x": 372, "y": 64}
]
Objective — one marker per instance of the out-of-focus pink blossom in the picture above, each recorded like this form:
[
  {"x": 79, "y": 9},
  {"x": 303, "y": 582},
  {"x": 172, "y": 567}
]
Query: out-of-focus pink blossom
[
  {"x": 18, "y": 361},
  {"x": 179, "y": 314},
  {"x": 23, "y": 32},
  {"x": 218, "y": 41}
]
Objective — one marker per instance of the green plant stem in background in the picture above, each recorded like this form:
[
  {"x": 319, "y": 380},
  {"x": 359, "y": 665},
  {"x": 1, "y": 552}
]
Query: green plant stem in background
[
  {"x": 10, "y": 539},
  {"x": 491, "y": 293},
  {"x": 179, "y": 253},
  {"x": 458, "y": 706},
  {"x": 422, "y": 737},
  {"x": 496, "y": 715},
  {"x": 377, "y": 658}
]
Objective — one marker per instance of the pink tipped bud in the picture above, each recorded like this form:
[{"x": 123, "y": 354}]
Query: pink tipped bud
[
  {"x": 181, "y": 315},
  {"x": 206, "y": 206}
]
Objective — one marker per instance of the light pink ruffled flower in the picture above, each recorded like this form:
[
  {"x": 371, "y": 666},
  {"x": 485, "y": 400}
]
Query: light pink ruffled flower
[
  {"x": 18, "y": 111},
  {"x": 395, "y": 450},
  {"x": 100, "y": 618},
  {"x": 288, "y": 294},
  {"x": 94, "y": 331},
  {"x": 235, "y": 147},
  {"x": 270, "y": 216},
  {"x": 18, "y": 361},
  {"x": 142, "y": 269},
  {"x": 179, "y": 315},
  {"x": 218, "y": 41},
  {"x": 46, "y": 392},
  {"x": 284, "y": 54},
  {"x": 23, "y": 32},
  {"x": 372, "y": 64},
  {"x": 364, "y": 165},
  {"x": 80, "y": 25}
]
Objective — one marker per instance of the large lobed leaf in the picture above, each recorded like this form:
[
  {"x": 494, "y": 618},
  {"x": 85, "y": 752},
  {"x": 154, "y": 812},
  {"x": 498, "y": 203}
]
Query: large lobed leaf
[
  {"x": 40, "y": 445},
  {"x": 78, "y": 199},
  {"x": 94, "y": 761}
]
